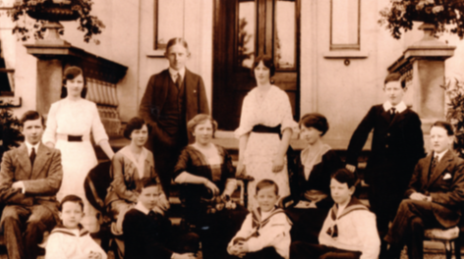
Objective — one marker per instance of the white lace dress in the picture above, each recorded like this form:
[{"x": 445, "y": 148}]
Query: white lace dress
[
  {"x": 78, "y": 118},
  {"x": 271, "y": 110}
]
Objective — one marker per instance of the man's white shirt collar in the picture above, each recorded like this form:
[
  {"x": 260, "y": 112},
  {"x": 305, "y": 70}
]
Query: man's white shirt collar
[
  {"x": 30, "y": 146},
  {"x": 401, "y": 107},
  {"x": 440, "y": 155},
  {"x": 139, "y": 206},
  {"x": 174, "y": 73}
]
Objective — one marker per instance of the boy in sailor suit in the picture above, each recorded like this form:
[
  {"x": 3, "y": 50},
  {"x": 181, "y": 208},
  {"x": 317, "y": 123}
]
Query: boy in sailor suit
[
  {"x": 349, "y": 231},
  {"x": 265, "y": 233},
  {"x": 71, "y": 241}
]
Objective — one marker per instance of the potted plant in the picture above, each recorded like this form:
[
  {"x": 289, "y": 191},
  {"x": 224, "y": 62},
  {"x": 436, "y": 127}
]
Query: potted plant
[
  {"x": 455, "y": 112},
  {"x": 10, "y": 134},
  {"x": 445, "y": 15},
  {"x": 46, "y": 12}
]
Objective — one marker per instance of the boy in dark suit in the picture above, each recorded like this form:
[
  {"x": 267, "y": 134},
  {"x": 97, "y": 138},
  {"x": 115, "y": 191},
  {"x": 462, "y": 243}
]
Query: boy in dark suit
[
  {"x": 171, "y": 99},
  {"x": 435, "y": 195},
  {"x": 397, "y": 145},
  {"x": 30, "y": 177},
  {"x": 148, "y": 234}
]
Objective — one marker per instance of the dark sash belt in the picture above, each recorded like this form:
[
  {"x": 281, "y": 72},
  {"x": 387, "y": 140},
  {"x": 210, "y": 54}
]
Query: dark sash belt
[
  {"x": 73, "y": 138},
  {"x": 264, "y": 129}
]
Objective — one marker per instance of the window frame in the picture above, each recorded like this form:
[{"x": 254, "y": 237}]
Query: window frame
[{"x": 356, "y": 46}]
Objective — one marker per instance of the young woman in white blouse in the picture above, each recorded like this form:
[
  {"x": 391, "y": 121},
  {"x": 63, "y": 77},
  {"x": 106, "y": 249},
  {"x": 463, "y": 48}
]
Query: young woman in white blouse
[
  {"x": 266, "y": 125},
  {"x": 69, "y": 124}
]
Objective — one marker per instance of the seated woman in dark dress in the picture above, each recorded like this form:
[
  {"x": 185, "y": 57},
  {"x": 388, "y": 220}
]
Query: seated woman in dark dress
[
  {"x": 310, "y": 200},
  {"x": 207, "y": 177},
  {"x": 130, "y": 167}
]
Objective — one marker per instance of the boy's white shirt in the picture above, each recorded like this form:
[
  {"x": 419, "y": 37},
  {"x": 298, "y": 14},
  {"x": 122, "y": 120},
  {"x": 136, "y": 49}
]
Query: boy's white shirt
[
  {"x": 276, "y": 233},
  {"x": 357, "y": 231},
  {"x": 400, "y": 107},
  {"x": 66, "y": 243}
]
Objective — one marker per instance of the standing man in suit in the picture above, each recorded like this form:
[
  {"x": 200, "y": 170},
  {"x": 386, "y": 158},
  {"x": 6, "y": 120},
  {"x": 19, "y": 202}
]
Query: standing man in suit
[
  {"x": 397, "y": 145},
  {"x": 435, "y": 195},
  {"x": 30, "y": 177},
  {"x": 172, "y": 98}
]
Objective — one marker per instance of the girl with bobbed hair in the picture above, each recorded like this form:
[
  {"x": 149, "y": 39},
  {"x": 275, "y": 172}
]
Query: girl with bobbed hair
[
  {"x": 130, "y": 167},
  {"x": 310, "y": 186},
  {"x": 70, "y": 123}
]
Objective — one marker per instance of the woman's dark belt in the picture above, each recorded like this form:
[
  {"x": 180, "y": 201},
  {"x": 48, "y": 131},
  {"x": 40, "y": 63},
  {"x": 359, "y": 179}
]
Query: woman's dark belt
[
  {"x": 73, "y": 138},
  {"x": 265, "y": 129}
]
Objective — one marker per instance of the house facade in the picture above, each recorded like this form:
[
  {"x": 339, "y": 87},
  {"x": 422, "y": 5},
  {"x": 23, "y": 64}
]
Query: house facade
[{"x": 331, "y": 57}]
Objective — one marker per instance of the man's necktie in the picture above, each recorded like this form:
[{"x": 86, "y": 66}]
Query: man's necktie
[
  {"x": 178, "y": 81},
  {"x": 32, "y": 156},
  {"x": 433, "y": 165},
  {"x": 392, "y": 113},
  {"x": 151, "y": 214}
]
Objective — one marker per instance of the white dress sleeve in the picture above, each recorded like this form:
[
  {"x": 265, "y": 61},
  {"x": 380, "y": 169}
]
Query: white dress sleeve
[
  {"x": 50, "y": 130},
  {"x": 98, "y": 130},
  {"x": 246, "y": 122},
  {"x": 287, "y": 115}
]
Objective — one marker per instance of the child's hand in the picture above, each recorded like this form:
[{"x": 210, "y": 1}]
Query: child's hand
[
  {"x": 234, "y": 250},
  {"x": 351, "y": 168},
  {"x": 94, "y": 255},
  {"x": 277, "y": 164}
]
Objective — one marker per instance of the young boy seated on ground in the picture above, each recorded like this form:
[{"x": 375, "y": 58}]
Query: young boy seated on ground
[
  {"x": 71, "y": 240},
  {"x": 349, "y": 231},
  {"x": 265, "y": 233},
  {"x": 148, "y": 234}
]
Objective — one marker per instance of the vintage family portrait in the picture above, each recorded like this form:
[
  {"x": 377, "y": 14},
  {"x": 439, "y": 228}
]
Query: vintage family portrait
[{"x": 222, "y": 129}]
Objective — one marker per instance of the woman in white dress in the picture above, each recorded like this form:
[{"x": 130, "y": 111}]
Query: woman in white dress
[
  {"x": 69, "y": 124},
  {"x": 266, "y": 125}
]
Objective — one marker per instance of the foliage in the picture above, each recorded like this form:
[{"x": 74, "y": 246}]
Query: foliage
[
  {"x": 455, "y": 113},
  {"x": 446, "y": 15},
  {"x": 80, "y": 9},
  {"x": 10, "y": 133},
  {"x": 243, "y": 39}
]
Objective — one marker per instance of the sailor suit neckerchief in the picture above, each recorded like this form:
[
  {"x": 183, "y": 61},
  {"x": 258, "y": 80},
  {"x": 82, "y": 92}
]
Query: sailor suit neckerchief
[{"x": 353, "y": 205}]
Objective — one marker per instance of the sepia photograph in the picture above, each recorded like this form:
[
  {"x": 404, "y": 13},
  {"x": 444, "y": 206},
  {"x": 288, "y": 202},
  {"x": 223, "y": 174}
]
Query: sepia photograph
[{"x": 227, "y": 129}]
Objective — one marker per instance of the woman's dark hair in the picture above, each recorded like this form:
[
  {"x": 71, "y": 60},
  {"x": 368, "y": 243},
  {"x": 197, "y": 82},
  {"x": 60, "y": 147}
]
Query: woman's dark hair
[
  {"x": 135, "y": 123},
  {"x": 445, "y": 125},
  {"x": 315, "y": 120},
  {"x": 71, "y": 198},
  {"x": 71, "y": 73},
  {"x": 343, "y": 175},
  {"x": 31, "y": 116},
  {"x": 199, "y": 118},
  {"x": 175, "y": 41},
  {"x": 267, "y": 62}
]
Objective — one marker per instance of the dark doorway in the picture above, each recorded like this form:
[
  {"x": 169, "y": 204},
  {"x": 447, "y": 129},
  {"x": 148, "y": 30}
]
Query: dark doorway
[{"x": 242, "y": 29}]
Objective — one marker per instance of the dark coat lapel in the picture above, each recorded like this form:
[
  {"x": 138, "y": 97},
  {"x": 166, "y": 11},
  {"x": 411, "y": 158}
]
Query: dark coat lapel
[
  {"x": 42, "y": 156},
  {"x": 386, "y": 115},
  {"x": 441, "y": 167},
  {"x": 425, "y": 170},
  {"x": 23, "y": 159},
  {"x": 163, "y": 93},
  {"x": 398, "y": 117}
]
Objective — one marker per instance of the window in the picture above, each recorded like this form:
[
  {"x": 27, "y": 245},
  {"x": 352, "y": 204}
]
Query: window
[
  {"x": 7, "y": 57},
  {"x": 285, "y": 35},
  {"x": 169, "y": 21},
  {"x": 345, "y": 24}
]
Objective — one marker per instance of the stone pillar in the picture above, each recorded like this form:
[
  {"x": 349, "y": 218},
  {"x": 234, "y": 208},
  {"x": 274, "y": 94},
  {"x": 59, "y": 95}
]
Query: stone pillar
[
  {"x": 49, "y": 83},
  {"x": 422, "y": 66},
  {"x": 50, "y": 52}
]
